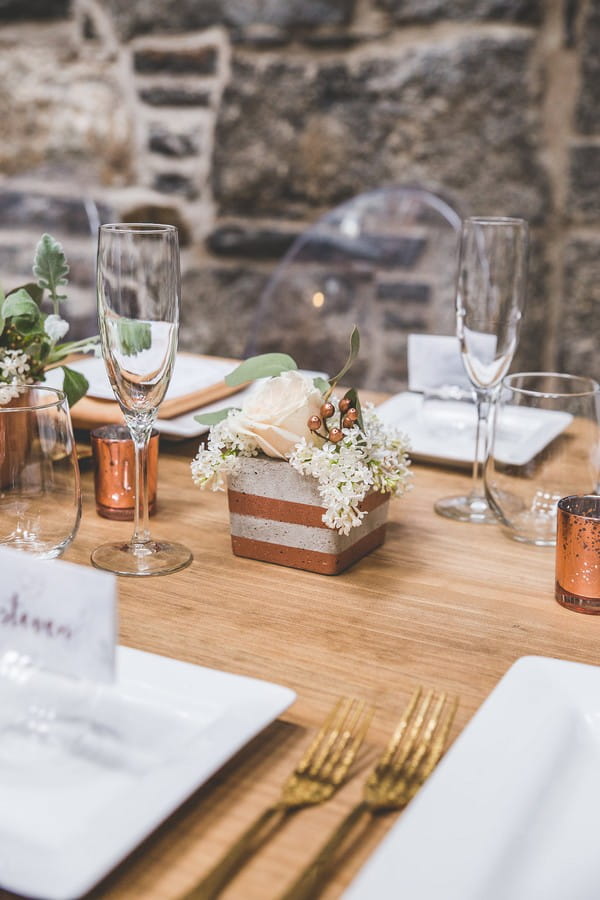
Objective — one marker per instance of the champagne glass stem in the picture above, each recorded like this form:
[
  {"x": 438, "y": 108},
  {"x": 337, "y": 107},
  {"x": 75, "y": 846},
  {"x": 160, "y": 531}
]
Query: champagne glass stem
[
  {"x": 482, "y": 402},
  {"x": 141, "y": 532},
  {"x": 141, "y": 429}
]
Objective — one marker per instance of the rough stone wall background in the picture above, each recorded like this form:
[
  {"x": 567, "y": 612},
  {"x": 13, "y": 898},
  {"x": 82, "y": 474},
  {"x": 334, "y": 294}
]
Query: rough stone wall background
[{"x": 242, "y": 121}]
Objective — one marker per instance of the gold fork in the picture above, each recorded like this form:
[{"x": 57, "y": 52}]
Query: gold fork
[
  {"x": 411, "y": 755},
  {"x": 319, "y": 773}
]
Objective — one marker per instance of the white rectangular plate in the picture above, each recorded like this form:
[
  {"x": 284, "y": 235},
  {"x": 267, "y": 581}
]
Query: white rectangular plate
[
  {"x": 66, "y": 819},
  {"x": 512, "y": 811},
  {"x": 444, "y": 430}
]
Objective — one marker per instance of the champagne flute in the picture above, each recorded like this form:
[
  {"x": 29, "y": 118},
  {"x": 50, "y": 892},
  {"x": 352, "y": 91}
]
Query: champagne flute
[
  {"x": 138, "y": 287},
  {"x": 490, "y": 298}
]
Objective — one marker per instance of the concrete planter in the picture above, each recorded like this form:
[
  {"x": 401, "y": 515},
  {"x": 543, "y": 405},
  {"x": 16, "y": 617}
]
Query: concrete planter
[{"x": 275, "y": 516}]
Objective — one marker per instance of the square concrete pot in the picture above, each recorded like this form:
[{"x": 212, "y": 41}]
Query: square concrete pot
[{"x": 276, "y": 517}]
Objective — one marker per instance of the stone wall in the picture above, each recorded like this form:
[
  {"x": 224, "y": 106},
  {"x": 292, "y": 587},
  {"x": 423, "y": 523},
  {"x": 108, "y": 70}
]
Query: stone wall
[{"x": 242, "y": 121}]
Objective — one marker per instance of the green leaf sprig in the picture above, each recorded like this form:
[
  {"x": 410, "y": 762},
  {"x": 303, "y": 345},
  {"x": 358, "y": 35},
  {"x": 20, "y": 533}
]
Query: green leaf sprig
[{"x": 22, "y": 322}]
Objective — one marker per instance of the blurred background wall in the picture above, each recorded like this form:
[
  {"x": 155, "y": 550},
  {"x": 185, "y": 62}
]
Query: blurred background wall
[{"x": 241, "y": 121}]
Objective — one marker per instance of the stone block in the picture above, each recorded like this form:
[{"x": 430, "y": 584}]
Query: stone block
[
  {"x": 139, "y": 17},
  {"x": 584, "y": 183},
  {"x": 170, "y": 143},
  {"x": 43, "y": 212},
  {"x": 24, "y": 10},
  {"x": 250, "y": 241},
  {"x": 186, "y": 61},
  {"x": 167, "y": 95},
  {"x": 407, "y": 11},
  {"x": 293, "y": 137},
  {"x": 175, "y": 183},
  {"x": 588, "y": 106},
  {"x": 218, "y": 308},
  {"x": 578, "y": 332}
]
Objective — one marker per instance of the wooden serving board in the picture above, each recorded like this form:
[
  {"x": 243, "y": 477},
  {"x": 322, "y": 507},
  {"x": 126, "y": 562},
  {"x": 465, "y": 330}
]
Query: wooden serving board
[{"x": 91, "y": 412}]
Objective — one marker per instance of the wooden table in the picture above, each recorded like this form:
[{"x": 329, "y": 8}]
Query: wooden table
[{"x": 441, "y": 603}]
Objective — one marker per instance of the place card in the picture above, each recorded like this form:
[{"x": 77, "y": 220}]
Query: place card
[
  {"x": 58, "y": 616},
  {"x": 434, "y": 360}
]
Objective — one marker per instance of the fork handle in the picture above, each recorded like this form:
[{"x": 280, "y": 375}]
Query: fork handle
[
  {"x": 303, "y": 888},
  {"x": 248, "y": 842}
]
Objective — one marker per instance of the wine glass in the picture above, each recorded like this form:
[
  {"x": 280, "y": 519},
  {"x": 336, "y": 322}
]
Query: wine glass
[
  {"x": 490, "y": 297},
  {"x": 138, "y": 287},
  {"x": 40, "y": 495}
]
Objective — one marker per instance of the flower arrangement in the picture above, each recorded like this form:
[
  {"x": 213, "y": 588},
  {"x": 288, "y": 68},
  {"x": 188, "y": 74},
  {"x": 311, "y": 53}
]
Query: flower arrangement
[
  {"x": 29, "y": 338},
  {"x": 291, "y": 416}
]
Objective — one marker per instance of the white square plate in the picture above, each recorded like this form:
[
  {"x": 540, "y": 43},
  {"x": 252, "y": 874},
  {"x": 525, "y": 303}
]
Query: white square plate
[
  {"x": 444, "y": 430},
  {"x": 67, "y": 818},
  {"x": 512, "y": 812}
]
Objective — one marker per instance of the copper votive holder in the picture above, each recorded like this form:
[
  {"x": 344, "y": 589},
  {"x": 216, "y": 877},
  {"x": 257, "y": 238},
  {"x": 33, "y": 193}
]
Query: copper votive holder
[
  {"x": 114, "y": 472},
  {"x": 578, "y": 553}
]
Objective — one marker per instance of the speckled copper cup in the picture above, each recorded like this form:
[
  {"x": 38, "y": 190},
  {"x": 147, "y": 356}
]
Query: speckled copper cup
[
  {"x": 114, "y": 472},
  {"x": 578, "y": 553}
]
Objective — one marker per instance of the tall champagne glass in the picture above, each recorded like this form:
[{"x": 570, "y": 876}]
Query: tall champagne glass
[
  {"x": 490, "y": 298},
  {"x": 138, "y": 287}
]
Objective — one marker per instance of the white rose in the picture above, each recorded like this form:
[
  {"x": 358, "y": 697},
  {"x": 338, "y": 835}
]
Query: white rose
[{"x": 276, "y": 414}]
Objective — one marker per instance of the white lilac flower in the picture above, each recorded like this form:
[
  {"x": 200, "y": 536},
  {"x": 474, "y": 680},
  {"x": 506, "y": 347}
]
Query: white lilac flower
[
  {"x": 8, "y": 392},
  {"x": 55, "y": 327},
  {"x": 14, "y": 366}
]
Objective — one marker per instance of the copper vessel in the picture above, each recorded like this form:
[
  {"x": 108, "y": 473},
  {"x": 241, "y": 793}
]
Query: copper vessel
[
  {"x": 578, "y": 553},
  {"x": 114, "y": 472}
]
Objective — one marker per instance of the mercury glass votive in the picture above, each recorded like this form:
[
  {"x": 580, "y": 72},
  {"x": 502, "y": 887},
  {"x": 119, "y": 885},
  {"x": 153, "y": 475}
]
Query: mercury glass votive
[{"x": 578, "y": 553}]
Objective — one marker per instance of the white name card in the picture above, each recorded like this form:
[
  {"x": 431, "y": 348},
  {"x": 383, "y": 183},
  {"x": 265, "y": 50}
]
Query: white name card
[
  {"x": 434, "y": 361},
  {"x": 60, "y": 616}
]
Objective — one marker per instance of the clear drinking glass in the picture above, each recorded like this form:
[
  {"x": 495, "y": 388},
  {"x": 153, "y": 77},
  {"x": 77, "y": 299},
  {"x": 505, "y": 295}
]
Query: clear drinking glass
[
  {"x": 490, "y": 298},
  {"x": 138, "y": 286},
  {"x": 40, "y": 496},
  {"x": 545, "y": 445}
]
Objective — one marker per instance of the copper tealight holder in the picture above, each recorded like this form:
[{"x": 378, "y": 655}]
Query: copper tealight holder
[
  {"x": 114, "y": 472},
  {"x": 578, "y": 553}
]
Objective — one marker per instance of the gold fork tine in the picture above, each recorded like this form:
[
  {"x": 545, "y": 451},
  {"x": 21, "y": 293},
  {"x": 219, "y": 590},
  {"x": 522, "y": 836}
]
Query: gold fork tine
[
  {"x": 318, "y": 774},
  {"x": 341, "y": 754},
  {"x": 409, "y": 758},
  {"x": 341, "y": 769},
  {"x": 390, "y": 751},
  {"x": 328, "y": 730}
]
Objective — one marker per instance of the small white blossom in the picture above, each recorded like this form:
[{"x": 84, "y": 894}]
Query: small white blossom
[
  {"x": 55, "y": 327},
  {"x": 14, "y": 366},
  {"x": 8, "y": 392}
]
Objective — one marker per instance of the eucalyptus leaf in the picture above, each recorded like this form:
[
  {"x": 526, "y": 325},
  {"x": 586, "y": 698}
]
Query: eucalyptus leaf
[
  {"x": 134, "y": 336},
  {"x": 263, "y": 366},
  {"x": 354, "y": 348},
  {"x": 50, "y": 266},
  {"x": 25, "y": 311},
  {"x": 321, "y": 384},
  {"x": 213, "y": 418},
  {"x": 75, "y": 385}
]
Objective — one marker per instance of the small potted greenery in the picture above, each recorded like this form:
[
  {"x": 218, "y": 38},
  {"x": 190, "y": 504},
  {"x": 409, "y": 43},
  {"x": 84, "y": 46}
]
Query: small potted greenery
[{"x": 30, "y": 339}]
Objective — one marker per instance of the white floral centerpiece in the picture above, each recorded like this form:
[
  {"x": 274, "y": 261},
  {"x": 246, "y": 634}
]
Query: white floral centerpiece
[{"x": 292, "y": 417}]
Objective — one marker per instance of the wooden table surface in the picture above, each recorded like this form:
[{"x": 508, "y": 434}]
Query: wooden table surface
[{"x": 444, "y": 604}]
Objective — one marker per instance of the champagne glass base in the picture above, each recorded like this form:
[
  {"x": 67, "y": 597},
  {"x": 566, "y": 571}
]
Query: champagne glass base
[
  {"x": 149, "y": 558},
  {"x": 469, "y": 508}
]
